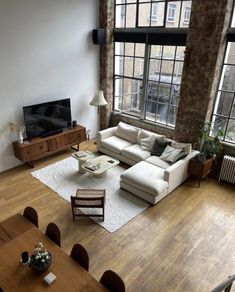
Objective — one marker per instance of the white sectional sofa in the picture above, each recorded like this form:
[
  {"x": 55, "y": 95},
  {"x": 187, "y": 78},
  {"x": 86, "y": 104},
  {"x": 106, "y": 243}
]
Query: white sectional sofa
[{"x": 151, "y": 177}]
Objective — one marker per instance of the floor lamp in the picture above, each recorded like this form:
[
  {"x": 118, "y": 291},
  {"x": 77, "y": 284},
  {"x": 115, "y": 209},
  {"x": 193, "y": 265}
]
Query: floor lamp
[{"x": 98, "y": 100}]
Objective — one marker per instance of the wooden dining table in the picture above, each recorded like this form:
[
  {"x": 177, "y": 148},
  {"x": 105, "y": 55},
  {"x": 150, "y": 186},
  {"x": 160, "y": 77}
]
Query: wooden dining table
[{"x": 17, "y": 234}]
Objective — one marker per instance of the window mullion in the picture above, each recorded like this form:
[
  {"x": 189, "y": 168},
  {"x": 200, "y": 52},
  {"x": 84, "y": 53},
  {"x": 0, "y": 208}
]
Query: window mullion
[{"x": 144, "y": 94}]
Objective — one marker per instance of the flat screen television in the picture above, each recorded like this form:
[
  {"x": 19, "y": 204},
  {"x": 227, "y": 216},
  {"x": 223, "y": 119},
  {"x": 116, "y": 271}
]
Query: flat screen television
[{"x": 47, "y": 118}]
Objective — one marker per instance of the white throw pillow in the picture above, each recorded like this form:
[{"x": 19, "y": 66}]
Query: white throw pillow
[
  {"x": 170, "y": 153},
  {"x": 187, "y": 147},
  {"x": 146, "y": 134},
  {"x": 146, "y": 143},
  {"x": 127, "y": 132}
]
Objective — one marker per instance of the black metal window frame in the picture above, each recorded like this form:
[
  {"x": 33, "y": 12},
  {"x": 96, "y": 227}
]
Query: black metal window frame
[
  {"x": 230, "y": 38},
  {"x": 149, "y": 36}
]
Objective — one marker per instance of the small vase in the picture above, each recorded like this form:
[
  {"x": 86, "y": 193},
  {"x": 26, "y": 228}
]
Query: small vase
[{"x": 20, "y": 138}]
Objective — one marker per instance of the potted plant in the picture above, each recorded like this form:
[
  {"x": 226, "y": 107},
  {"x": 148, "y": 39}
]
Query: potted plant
[{"x": 209, "y": 142}]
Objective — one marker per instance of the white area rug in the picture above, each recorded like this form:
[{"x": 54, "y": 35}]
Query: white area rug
[{"x": 120, "y": 207}]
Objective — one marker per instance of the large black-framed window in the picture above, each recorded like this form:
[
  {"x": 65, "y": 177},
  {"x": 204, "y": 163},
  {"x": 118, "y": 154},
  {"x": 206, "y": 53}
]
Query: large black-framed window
[
  {"x": 148, "y": 57},
  {"x": 224, "y": 108}
]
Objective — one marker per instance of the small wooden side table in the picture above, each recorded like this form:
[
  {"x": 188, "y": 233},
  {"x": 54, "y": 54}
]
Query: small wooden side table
[{"x": 200, "y": 169}]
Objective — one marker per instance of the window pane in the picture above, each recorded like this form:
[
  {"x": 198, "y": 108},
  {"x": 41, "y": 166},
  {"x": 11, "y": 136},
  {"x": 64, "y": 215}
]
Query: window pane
[
  {"x": 227, "y": 82},
  {"x": 185, "y": 14},
  {"x": 120, "y": 16},
  {"x": 119, "y": 48},
  {"x": 224, "y": 103},
  {"x": 143, "y": 19},
  {"x": 139, "y": 68},
  {"x": 128, "y": 66},
  {"x": 129, "y": 49},
  {"x": 118, "y": 65},
  {"x": 230, "y": 135},
  {"x": 130, "y": 15},
  {"x": 139, "y": 50}
]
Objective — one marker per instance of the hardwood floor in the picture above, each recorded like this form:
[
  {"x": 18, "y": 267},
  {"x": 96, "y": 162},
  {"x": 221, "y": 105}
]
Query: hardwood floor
[{"x": 184, "y": 243}]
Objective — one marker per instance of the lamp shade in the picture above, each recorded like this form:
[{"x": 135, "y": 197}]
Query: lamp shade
[{"x": 98, "y": 99}]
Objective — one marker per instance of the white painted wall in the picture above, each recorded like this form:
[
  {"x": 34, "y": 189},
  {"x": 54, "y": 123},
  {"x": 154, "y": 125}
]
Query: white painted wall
[{"x": 46, "y": 53}]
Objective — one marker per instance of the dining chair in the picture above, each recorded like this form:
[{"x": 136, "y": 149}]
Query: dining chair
[
  {"x": 79, "y": 254},
  {"x": 88, "y": 198},
  {"x": 112, "y": 281},
  {"x": 31, "y": 214},
  {"x": 53, "y": 232},
  {"x": 225, "y": 285}
]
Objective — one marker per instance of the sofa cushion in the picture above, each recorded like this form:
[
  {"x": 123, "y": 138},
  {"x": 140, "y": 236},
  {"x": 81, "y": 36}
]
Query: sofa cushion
[
  {"x": 135, "y": 152},
  {"x": 115, "y": 144},
  {"x": 146, "y": 177},
  {"x": 156, "y": 160},
  {"x": 170, "y": 154},
  {"x": 146, "y": 134},
  {"x": 159, "y": 146},
  {"x": 146, "y": 143},
  {"x": 187, "y": 147},
  {"x": 127, "y": 132}
]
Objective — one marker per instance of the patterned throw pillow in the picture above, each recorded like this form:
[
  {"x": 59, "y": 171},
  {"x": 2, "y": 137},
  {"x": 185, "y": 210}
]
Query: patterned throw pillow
[{"x": 172, "y": 155}]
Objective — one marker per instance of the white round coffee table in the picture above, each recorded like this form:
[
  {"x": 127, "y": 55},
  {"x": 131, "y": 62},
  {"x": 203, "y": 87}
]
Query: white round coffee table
[{"x": 82, "y": 157}]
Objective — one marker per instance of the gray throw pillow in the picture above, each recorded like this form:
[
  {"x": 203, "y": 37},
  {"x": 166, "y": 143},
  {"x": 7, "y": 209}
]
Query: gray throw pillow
[
  {"x": 181, "y": 155},
  {"x": 159, "y": 146}
]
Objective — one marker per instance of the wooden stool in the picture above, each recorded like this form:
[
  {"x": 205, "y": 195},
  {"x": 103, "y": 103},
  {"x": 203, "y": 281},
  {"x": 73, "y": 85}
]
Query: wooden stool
[{"x": 88, "y": 198}]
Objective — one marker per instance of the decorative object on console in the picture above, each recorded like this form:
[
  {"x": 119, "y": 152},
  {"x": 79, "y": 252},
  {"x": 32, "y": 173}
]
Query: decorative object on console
[
  {"x": 20, "y": 129},
  {"x": 41, "y": 259},
  {"x": 98, "y": 99},
  {"x": 75, "y": 124}
]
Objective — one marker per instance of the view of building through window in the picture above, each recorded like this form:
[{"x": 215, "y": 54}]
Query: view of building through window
[{"x": 147, "y": 77}]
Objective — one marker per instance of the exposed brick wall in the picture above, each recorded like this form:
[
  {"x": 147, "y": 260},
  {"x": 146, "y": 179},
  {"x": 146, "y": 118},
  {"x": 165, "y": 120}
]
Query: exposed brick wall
[
  {"x": 106, "y": 60},
  {"x": 203, "y": 60}
]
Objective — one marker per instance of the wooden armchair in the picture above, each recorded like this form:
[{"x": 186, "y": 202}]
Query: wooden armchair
[{"x": 88, "y": 198}]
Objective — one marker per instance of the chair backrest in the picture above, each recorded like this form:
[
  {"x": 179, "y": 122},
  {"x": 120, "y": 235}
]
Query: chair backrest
[
  {"x": 31, "y": 214},
  {"x": 225, "y": 286},
  {"x": 53, "y": 232},
  {"x": 80, "y": 255},
  {"x": 112, "y": 281}
]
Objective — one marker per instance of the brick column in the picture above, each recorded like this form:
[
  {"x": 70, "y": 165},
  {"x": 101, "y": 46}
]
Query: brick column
[
  {"x": 106, "y": 60},
  {"x": 203, "y": 60}
]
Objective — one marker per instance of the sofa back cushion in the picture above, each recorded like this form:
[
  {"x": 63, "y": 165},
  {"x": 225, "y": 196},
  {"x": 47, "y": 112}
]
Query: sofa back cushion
[
  {"x": 127, "y": 132},
  {"x": 159, "y": 146},
  {"x": 146, "y": 134}
]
